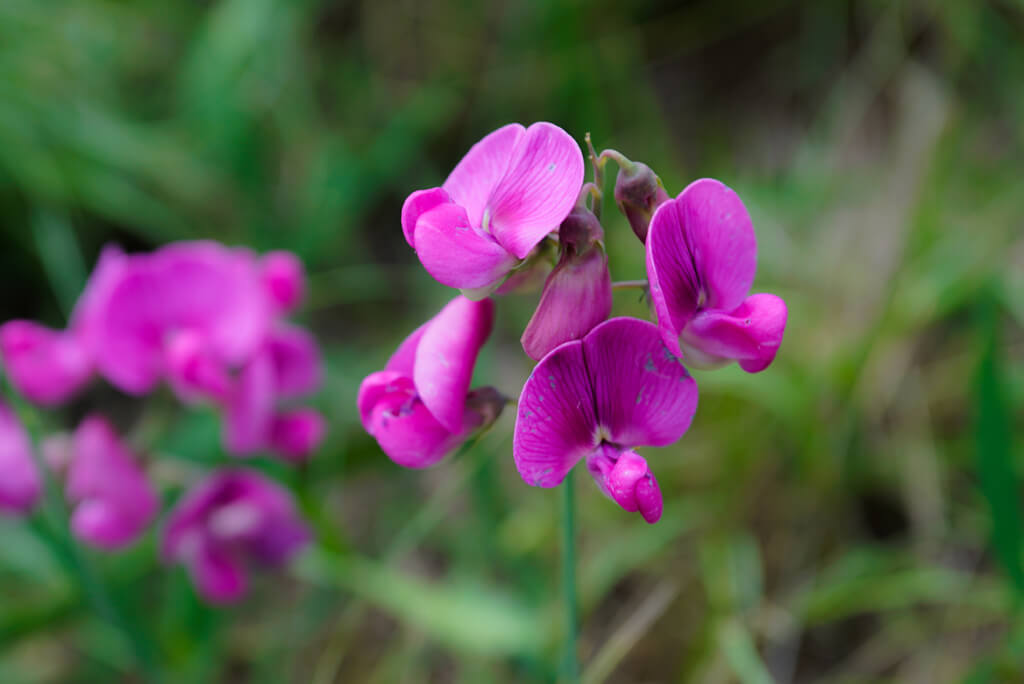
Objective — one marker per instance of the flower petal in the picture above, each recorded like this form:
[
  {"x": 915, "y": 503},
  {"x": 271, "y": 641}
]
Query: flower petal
[
  {"x": 701, "y": 255},
  {"x": 538, "y": 190},
  {"x": 643, "y": 394},
  {"x": 417, "y": 204},
  {"x": 751, "y": 334},
  {"x": 192, "y": 371},
  {"x": 47, "y": 366},
  {"x": 455, "y": 253},
  {"x": 446, "y": 355},
  {"x": 408, "y": 433},
  {"x": 21, "y": 484},
  {"x": 217, "y": 575},
  {"x": 555, "y": 424},
  {"x": 296, "y": 434},
  {"x": 250, "y": 408},
  {"x": 577, "y": 296},
  {"x": 473, "y": 179},
  {"x": 625, "y": 478},
  {"x": 284, "y": 279},
  {"x": 298, "y": 369}
]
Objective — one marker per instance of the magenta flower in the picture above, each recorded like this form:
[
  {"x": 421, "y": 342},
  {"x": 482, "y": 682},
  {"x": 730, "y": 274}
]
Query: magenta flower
[
  {"x": 578, "y": 293},
  {"x": 20, "y": 481},
  {"x": 510, "y": 190},
  {"x": 46, "y": 366},
  {"x": 231, "y": 519},
  {"x": 419, "y": 407},
  {"x": 113, "y": 501},
  {"x": 701, "y": 258},
  {"x": 598, "y": 398}
]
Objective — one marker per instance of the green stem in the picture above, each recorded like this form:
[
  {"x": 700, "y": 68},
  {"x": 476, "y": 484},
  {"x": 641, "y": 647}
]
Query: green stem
[
  {"x": 629, "y": 285},
  {"x": 570, "y": 662}
]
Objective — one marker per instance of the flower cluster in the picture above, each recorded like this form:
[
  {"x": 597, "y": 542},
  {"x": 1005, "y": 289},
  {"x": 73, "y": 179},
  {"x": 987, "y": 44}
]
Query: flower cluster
[
  {"x": 210, "y": 321},
  {"x": 515, "y": 210}
]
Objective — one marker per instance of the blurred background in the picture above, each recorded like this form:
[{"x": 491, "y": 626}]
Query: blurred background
[{"x": 852, "y": 514}]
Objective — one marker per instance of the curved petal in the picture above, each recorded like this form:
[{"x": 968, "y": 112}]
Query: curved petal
[
  {"x": 298, "y": 369},
  {"x": 555, "y": 424},
  {"x": 408, "y": 433},
  {"x": 577, "y": 296},
  {"x": 404, "y": 358},
  {"x": 446, "y": 355},
  {"x": 473, "y": 179},
  {"x": 417, "y": 204},
  {"x": 455, "y": 253},
  {"x": 643, "y": 394},
  {"x": 538, "y": 190},
  {"x": 217, "y": 575},
  {"x": 625, "y": 478},
  {"x": 192, "y": 371},
  {"x": 751, "y": 334},
  {"x": 375, "y": 387},
  {"x": 21, "y": 484},
  {"x": 47, "y": 366}
]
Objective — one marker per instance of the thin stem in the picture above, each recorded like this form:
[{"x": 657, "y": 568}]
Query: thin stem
[
  {"x": 630, "y": 285},
  {"x": 597, "y": 165},
  {"x": 570, "y": 662}
]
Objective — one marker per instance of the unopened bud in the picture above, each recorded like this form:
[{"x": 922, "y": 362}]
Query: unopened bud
[{"x": 638, "y": 192}]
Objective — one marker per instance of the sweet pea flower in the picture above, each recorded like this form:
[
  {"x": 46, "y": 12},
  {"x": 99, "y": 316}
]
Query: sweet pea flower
[
  {"x": 231, "y": 519},
  {"x": 577, "y": 294},
  {"x": 511, "y": 190},
  {"x": 701, "y": 258},
  {"x": 113, "y": 501},
  {"x": 20, "y": 481},
  {"x": 598, "y": 398},
  {"x": 419, "y": 407}
]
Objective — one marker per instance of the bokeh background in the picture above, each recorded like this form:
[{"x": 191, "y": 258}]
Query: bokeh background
[{"x": 852, "y": 514}]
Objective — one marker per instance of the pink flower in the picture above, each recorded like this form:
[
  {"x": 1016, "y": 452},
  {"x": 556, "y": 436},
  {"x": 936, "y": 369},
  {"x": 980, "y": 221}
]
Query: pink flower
[
  {"x": 46, "y": 366},
  {"x": 598, "y": 398},
  {"x": 113, "y": 501},
  {"x": 701, "y": 258},
  {"x": 578, "y": 293},
  {"x": 419, "y": 407},
  {"x": 510, "y": 190},
  {"x": 231, "y": 519},
  {"x": 20, "y": 481}
]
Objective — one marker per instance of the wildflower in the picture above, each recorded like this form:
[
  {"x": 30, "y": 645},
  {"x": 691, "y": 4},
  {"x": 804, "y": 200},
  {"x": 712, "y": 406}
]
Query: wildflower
[
  {"x": 419, "y": 407},
  {"x": 510, "y": 190},
  {"x": 46, "y": 366},
  {"x": 598, "y": 398},
  {"x": 20, "y": 482},
  {"x": 113, "y": 501},
  {"x": 577, "y": 294},
  {"x": 701, "y": 258},
  {"x": 231, "y": 519}
]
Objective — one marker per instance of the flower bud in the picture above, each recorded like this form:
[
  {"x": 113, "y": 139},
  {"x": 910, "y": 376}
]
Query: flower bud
[
  {"x": 638, "y": 192},
  {"x": 578, "y": 293}
]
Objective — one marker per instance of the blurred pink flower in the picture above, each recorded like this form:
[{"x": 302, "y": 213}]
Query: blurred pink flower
[
  {"x": 419, "y": 407},
  {"x": 598, "y": 398},
  {"x": 231, "y": 519},
  {"x": 510, "y": 190},
  {"x": 20, "y": 481},
  {"x": 701, "y": 259},
  {"x": 113, "y": 501}
]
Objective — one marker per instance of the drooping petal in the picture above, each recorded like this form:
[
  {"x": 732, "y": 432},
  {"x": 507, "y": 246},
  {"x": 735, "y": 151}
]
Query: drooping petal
[
  {"x": 457, "y": 254},
  {"x": 473, "y": 179},
  {"x": 298, "y": 369},
  {"x": 626, "y": 479},
  {"x": 446, "y": 355},
  {"x": 555, "y": 424},
  {"x": 576, "y": 297},
  {"x": 20, "y": 481},
  {"x": 539, "y": 188},
  {"x": 47, "y": 366},
  {"x": 751, "y": 334},
  {"x": 417, "y": 204},
  {"x": 284, "y": 279},
  {"x": 643, "y": 394},
  {"x": 249, "y": 410},
  {"x": 114, "y": 501},
  {"x": 296, "y": 434}
]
